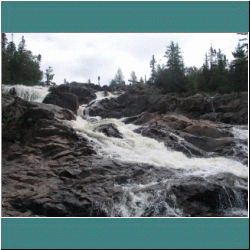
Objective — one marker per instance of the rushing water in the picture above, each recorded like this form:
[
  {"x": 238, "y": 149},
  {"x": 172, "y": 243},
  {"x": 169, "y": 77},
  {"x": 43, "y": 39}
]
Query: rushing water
[
  {"x": 135, "y": 148},
  {"x": 28, "y": 93}
]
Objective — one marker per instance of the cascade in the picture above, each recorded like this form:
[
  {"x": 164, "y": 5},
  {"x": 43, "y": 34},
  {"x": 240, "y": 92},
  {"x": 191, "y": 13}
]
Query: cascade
[
  {"x": 28, "y": 93},
  {"x": 155, "y": 197},
  {"x": 135, "y": 148}
]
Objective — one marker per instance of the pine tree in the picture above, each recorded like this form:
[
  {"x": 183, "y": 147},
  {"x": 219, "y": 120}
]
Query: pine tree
[
  {"x": 119, "y": 78},
  {"x": 19, "y": 65},
  {"x": 133, "y": 78},
  {"x": 153, "y": 71},
  {"x": 239, "y": 68},
  {"x": 174, "y": 72}
]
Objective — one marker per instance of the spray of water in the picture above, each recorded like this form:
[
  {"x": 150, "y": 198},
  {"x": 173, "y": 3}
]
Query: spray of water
[
  {"x": 135, "y": 148},
  {"x": 28, "y": 93}
]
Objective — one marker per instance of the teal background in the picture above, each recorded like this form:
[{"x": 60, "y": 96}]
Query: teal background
[
  {"x": 125, "y": 16},
  {"x": 229, "y": 233},
  {"x": 135, "y": 233}
]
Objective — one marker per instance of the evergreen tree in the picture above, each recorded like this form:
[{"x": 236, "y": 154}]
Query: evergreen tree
[
  {"x": 214, "y": 75},
  {"x": 153, "y": 70},
  {"x": 119, "y": 78},
  {"x": 174, "y": 77},
  {"x": 204, "y": 77},
  {"x": 49, "y": 76},
  {"x": 5, "y": 64},
  {"x": 4, "y": 42},
  {"x": 133, "y": 78},
  {"x": 19, "y": 65},
  {"x": 141, "y": 80},
  {"x": 192, "y": 75},
  {"x": 239, "y": 68}
]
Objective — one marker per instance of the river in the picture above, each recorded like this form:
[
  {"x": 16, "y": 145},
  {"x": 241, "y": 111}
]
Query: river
[{"x": 134, "y": 148}]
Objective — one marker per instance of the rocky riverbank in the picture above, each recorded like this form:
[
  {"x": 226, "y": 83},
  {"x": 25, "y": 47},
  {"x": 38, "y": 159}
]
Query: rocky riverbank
[
  {"x": 226, "y": 108},
  {"x": 49, "y": 169}
]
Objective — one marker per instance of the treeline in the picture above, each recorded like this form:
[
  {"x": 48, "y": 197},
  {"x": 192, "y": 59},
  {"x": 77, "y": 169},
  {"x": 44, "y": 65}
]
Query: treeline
[
  {"x": 19, "y": 66},
  {"x": 217, "y": 74}
]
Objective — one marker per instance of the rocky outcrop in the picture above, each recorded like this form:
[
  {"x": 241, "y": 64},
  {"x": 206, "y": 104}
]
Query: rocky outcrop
[
  {"x": 48, "y": 169},
  {"x": 64, "y": 100},
  {"x": 85, "y": 92},
  {"x": 227, "y": 108},
  {"x": 71, "y": 95},
  {"x": 190, "y": 136},
  {"x": 38, "y": 151}
]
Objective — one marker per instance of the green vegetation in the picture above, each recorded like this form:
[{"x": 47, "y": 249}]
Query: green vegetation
[
  {"x": 19, "y": 66},
  {"x": 216, "y": 75}
]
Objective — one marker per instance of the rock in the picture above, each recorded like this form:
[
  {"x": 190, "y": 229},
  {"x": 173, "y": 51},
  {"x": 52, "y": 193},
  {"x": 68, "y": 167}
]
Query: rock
[
  {"x": 65, "y": 100},
  {"x": 50, "y": 170},
  {"x": 205, "y": 128},
  {"x": 12, "y": 91},
  {"x": 109, "y": 130},
  {"x": 227, "y": 108},
  {"x": 37, "y": 148},
  {"x": 207, "y": 197},
  {"x": 190, "y": 136},
  {"x": 85, "y": 92}
]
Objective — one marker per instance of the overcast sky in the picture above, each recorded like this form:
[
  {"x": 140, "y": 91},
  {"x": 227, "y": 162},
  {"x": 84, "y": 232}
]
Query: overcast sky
[{"x": 83, "y": 56}]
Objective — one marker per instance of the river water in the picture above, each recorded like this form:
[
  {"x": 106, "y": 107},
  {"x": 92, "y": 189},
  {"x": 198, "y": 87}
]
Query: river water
[{"x": 135, "y": 148}]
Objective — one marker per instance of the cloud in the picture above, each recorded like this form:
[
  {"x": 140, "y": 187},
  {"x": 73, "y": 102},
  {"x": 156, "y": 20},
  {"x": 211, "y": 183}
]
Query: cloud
[{"x": 80, "y": 56}]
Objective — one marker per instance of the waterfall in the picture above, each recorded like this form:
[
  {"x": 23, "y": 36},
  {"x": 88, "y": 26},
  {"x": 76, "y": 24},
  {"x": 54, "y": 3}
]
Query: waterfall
[
  {"x": 28, "y": 93},
  {"x": 137, "y": 199},
  {"x": 139, "y": 149},
  {"x": 154, "y": 197},
  {"x": 83, "y": 110}
]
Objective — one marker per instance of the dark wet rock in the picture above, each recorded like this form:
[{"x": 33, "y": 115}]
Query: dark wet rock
[
  {"x": 190, "y": 136},
  {"x": 199, "y": 196},
  {"x": 107, "y": 108},
  {"x": 64, "y": 100},
  {"x": 39, "y": 153},
  {"x": 50, "y": 170},
  {"x": 12, "y": 91},
  {"x": 227, "y": 108},
  {"x": 109, "y": 130},
  {"x": 84, "y": 92}
]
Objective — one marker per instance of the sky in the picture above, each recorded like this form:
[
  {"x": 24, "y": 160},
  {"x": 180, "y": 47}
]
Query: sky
[{"x": 83, "y": 56}]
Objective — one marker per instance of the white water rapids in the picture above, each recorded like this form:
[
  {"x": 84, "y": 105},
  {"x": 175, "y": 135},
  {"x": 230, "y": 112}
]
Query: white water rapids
[
  {"x": 28, "y": 93},
  {"x": 135, "y": 148}
]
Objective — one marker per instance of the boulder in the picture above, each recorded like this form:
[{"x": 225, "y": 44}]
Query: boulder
[
  {"x": 208, "y": 197},
  {"x": 64, "y": 100},
  {"x": 110, "y": 130},
  {"x": 85, "y": 92}
]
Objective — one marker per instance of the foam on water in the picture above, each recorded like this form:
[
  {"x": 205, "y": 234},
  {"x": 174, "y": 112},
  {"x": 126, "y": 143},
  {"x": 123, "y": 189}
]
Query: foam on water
[
  {"x": 240, "y": 132},
  {"x": 100, "y": 95},
  {"x": 28, "y": 93},
  {"x": 135, "y": 148}
]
